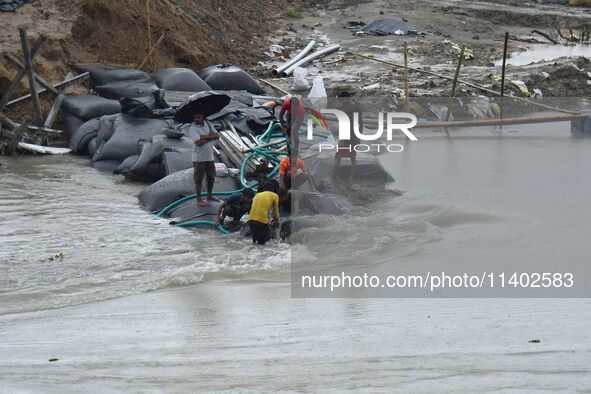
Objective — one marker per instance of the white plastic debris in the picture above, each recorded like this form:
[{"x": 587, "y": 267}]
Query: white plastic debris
[
  {"x": 299, "y": 79},
  {"x": 371, "y": 87},
  {"x": 275, "y": 49},
  {"x": 398, "y": 92},
  {"x": 537, "y": 93},
  {"x": 522, "y": 87},
  {"x": 318, "y": 96},
  {"x": 221, "y": 169},
  {"x": 545, "y": 75},
  {"x": 400, "y": 33}
]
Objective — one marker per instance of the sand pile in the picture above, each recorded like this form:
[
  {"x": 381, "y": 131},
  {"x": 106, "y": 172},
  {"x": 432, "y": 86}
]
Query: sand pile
[{"x": 198, "y": 33}]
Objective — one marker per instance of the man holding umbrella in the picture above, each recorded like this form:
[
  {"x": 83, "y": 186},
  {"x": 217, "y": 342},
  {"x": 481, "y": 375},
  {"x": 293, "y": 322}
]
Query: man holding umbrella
[
  {"x": 203, "y": 158},
  {"x": 194, "y": 109}
]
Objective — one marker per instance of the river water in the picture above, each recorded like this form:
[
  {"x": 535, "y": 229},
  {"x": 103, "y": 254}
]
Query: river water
[
  {"x": 128, "y": 302},
  {"x": 547, "y": 53}
]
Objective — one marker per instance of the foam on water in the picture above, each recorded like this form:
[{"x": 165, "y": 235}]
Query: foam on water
[{"x": 111, "y": 248}]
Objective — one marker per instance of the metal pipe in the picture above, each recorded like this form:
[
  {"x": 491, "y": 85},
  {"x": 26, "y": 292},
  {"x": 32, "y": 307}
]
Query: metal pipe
[
  {"x": 297, "y": 57},
  {"x": 316, "y": 55}
]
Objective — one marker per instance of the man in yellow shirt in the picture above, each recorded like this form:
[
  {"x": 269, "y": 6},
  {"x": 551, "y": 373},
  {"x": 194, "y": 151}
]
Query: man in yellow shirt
[{"x": 258, "y": 218}]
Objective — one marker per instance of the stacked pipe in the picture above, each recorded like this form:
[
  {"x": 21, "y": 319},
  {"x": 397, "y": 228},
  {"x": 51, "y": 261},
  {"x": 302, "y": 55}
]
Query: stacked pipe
[{"x": 301, "y": 59}]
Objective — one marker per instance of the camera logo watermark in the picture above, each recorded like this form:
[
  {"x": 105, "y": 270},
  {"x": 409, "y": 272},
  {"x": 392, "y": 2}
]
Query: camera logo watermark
[{"x": 387, "y": 123}]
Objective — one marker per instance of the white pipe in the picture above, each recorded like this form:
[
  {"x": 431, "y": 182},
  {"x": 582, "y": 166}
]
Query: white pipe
[
  {"x": 296, "y": 58},
  {"x": 316, "y": 55}
]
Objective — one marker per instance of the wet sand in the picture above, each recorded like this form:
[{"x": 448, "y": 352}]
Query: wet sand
[{"x": 253, "y": 336}]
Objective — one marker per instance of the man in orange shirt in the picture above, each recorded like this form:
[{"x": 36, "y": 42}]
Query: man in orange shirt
[{"x": 298, "y": 175}]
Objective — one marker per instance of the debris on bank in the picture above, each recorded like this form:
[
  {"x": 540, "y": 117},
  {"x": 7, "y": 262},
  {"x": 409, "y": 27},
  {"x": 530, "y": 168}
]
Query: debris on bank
[
  {"x": 390, "y": 26},
  {"x": 12, "y": 5}
]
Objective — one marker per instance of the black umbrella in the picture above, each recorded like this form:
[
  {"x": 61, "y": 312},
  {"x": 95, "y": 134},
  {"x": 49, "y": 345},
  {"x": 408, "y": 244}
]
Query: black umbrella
[{"x": 206, "y": 103}]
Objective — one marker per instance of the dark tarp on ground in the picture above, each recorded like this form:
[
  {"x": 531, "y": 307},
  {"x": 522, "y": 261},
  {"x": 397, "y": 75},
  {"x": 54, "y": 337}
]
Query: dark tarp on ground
[
  {"x": 321, "y": 166},
  {"x": 152, "y": 106},
  {"x": 142, "y": 168},
  {"x": 293, "y": 225},
  {"x": 246, "y": 119},
  {"x": 180, "y": 79},
  {"x": 150, "y": 172},
  {"x": 326, "y": 204},
  {"x": 81, "y": 137},
  {"x": 129, "y": 133},
  {"x": 91, "y": 147},
  {"x": 105, "y": 130},
  {"x": 102, "y": 74},
  {"x": 226, "y": 77},
  {"x": 190, "y": 211},
  {"x": 388, "y": 26},
  {"x": 72, "y": 122},
  {"x": 178, "y": 185},
  {"x": 105, "y": 165},
  {"x": 176, "y": 160},
  {"x": 87, "y": 107},
  {"x": 129, "y": 89},
  {"x": 11, "y": 5}
]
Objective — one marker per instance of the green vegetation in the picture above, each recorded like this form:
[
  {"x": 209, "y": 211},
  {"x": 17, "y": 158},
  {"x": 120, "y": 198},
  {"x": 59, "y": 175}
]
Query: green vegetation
[
  {"x": 57, "y": 256},
  {"x": 291, "y": 12}
]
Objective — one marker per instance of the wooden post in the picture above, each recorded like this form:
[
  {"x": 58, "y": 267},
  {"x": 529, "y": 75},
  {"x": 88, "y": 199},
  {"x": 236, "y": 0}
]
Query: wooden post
[
  {"x": 18, "y": 136},
  {"x": 13, "y": 59},
  {"x": 29, "y": 68},
  {"x": 505, "y": 50},
  {"x": 55, "y": 108},
  {"x": 14, "y": 84},
  {"x": 143, "y": 63},
  {"x": 406, "y": 92},
  {"x": 277, "y": 88},
  {"x": 149, "y": 30},
  {"x": 504, "y": 64},
  {"x": 472, "y": 85},
  {"x": 58, "y": 86},
  {"x": 454, "y": 83}
]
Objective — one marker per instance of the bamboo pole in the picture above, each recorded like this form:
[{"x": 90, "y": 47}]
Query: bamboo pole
[
  {"x": 277, "y": 88},
  {"x": 29, "y": 70},
  {"x": 149, "y": 29},
  {"x": 18, "y": 136},
  {"x": 58, "y": 86},
  {"x": 472, "y": 85},
  {"x": 499, "y": 122},
  {"x": 15, "y": 82},
  {"x": 454, "y": 83},
  {"x": 505, "y": 50},
  {"x": 406, "y": 93},
  {"x": 506, "y": 47},
  {"x": 143, "y": 63}
]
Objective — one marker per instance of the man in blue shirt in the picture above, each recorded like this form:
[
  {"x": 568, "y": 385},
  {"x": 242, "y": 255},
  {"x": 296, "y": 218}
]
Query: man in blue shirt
[{"x": 235, "y": 207}]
